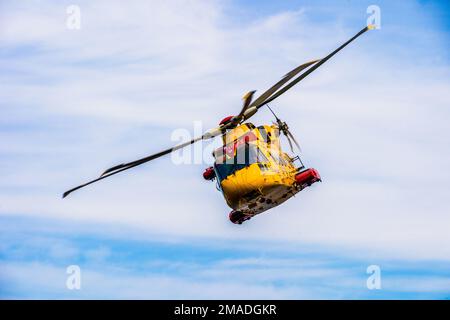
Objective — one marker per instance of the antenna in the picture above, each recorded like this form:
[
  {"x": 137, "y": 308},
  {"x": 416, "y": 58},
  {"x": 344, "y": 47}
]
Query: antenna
[{"x": 276, "y": 118}]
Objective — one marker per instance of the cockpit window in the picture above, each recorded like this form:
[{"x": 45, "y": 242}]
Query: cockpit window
[{"x": 228, "y": 163}]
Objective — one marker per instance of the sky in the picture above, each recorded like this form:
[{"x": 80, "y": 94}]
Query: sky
[{"x": 373, "y": 121}]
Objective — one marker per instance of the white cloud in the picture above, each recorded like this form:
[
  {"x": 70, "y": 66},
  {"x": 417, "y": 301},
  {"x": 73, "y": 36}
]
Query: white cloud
[
  {"x": 38, "y": 280},
  {"x": 232, "y": 279}
]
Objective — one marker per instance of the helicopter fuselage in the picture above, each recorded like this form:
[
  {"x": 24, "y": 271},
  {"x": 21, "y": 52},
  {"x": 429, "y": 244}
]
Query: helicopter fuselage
[{"x": 254, "y": 174}]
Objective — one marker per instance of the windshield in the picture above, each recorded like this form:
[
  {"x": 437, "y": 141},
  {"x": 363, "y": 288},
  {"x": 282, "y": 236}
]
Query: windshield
[{"x": 228, "y": 163}]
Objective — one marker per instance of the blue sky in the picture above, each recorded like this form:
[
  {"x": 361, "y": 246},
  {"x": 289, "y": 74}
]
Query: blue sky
[
  {"x": 115, "y": 266},
  {"x": 373, "y": 121}
]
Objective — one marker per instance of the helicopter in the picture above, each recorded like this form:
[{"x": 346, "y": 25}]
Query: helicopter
[{"x": 251, "y": 170}]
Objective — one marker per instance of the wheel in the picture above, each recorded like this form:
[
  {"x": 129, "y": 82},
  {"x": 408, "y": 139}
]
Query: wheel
[{"x": 237, "y": 217}]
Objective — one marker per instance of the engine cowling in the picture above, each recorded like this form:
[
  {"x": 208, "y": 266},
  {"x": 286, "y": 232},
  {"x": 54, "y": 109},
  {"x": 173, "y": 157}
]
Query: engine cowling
[{"x": 209, "y": 174}]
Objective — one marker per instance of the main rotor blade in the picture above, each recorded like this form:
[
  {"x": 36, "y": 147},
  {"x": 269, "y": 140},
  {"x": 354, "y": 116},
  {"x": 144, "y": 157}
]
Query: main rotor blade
[
  {"x": 247, "y": 100},
  {"x": 151, "y": 157},
  {"x": 288, "y": 76},
  {"x": 125, "y": 166},
  {"x": 309, "y": 71}
]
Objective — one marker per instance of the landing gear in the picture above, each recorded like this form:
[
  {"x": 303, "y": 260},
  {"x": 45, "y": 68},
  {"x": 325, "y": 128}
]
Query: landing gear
[{"x": 237, "y": 217}]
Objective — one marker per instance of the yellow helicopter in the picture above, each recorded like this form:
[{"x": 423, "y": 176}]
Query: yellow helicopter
[{"x": 250, "y": 168}]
